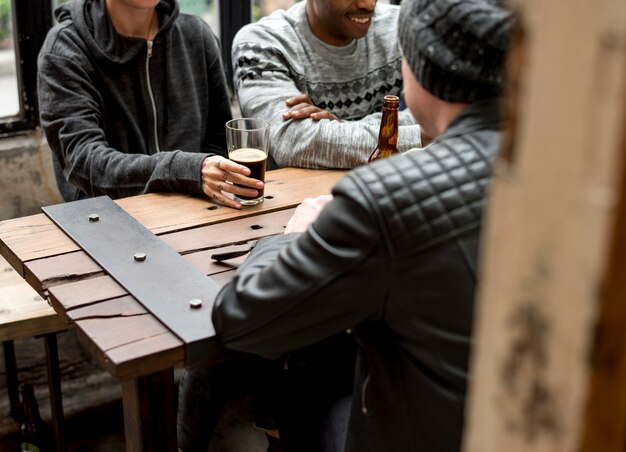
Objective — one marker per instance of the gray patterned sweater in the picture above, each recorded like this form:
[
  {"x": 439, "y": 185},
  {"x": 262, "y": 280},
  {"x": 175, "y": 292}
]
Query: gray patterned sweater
[{"x": 279, "y": 57}]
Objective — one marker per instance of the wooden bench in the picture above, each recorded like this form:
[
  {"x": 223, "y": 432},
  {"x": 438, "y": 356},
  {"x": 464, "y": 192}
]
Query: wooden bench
[{"x": 24, "y": 313}]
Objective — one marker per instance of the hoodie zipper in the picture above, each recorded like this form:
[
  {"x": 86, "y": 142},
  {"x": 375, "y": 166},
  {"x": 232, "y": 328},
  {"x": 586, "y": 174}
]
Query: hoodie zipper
[
  {"x": 154, "y": 110},
  {"x": 364, "y": 408}
]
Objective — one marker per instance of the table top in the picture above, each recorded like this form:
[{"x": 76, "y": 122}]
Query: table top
[{"x": 125, "y": 338}]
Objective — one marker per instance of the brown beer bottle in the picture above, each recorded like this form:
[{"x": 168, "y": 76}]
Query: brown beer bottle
[
  {"x": 33, "y": 428},
  {"x": 388, "y": 134}
]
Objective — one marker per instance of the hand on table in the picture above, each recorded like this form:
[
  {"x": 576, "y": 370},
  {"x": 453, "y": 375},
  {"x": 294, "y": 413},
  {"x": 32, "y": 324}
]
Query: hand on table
[
  {"x": 306, "y": 213},
  {"x": 301, "y": 107},
  {"x": 219, "y": 176}
]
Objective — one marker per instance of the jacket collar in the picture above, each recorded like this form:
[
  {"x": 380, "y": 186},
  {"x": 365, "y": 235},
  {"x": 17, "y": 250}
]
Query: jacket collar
[{"x": 484, "y": 114}]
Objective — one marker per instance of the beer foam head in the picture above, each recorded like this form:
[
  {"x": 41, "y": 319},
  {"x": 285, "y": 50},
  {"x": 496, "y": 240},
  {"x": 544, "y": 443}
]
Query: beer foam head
[{"x": 248, "y": 155}]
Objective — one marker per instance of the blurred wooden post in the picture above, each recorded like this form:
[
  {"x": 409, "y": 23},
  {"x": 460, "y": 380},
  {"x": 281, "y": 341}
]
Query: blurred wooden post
[{"x": 549, "y": 362}]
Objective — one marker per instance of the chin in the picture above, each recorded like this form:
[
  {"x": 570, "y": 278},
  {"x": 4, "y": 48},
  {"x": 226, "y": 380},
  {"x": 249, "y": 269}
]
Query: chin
[{"x": 358, "y": 34}]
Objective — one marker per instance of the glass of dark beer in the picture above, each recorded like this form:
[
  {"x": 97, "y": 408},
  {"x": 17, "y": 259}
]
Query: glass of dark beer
[{"x": 247, "y": 140}]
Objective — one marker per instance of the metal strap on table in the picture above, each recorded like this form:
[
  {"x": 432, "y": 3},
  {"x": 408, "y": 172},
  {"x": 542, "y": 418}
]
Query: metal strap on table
[{"x": 159, "y": 278}]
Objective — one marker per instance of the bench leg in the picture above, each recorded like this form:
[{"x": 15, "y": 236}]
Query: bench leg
[
  {"x": 11, "y": 377},
  {"x": 54, "y": 385}
]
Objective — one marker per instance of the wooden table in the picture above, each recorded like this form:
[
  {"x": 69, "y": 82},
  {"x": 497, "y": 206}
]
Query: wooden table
[{"x": 125, "y": 338}]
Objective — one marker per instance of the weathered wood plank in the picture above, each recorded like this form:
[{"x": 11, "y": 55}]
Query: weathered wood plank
[
  {"x": 538, "y": 344},
  {"x": 131, "y": 360},
  {"x": 66, "y": 268},
  {"x": 203, "y": 262},
  {"x": 118, "y": 330},
  {"x": 218, "y": 235},
  {"x": 81, "y": 293},
  {"x": 110, "y": 331},
  {"x": 224, "y": 277},
  {"x": 23, "y": 313},
  {"x": 605, "y": 416},
  {"x": 110, "y": 323},
  {"x": 120, "y": 334},
  {"x": 124, "y": 306},
  {"x": 44, "y": 273},
  {"x": 168, "y": 212},
  {"x": 34, "y": 237}
]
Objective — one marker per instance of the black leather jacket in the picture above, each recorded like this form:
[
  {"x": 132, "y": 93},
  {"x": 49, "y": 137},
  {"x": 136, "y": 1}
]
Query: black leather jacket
[{"x": 394, "y": 257}]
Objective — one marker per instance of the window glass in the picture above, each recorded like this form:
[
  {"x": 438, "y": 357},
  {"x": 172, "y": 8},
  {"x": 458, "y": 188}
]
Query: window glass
[
  {"x": 207, "y": 9},
  {"x": 55, "y": 5},
  {"x": 9, "y": 97},
  {"x": 262, "y": 8}
]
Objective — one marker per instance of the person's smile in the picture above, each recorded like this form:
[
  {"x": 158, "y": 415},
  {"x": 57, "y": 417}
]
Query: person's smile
[{"x": 361, "y": 21}]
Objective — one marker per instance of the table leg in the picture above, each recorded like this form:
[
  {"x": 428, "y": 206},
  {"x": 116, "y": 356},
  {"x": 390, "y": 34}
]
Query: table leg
[
  {"x": 11, "y": 377},
  {"x": 56, "y": 396},
  {"x": 150, "y": 412}
]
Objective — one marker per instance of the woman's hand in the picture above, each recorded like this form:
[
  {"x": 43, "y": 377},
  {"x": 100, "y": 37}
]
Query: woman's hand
[
  {"x": 306, "y": 213},
  {"x": 219, "y": 176}
]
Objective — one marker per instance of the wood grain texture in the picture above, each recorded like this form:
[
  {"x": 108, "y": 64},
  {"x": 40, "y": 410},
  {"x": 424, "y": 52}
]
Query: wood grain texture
[
  {"x": 23, "y": 313},
  {"x": 34, "y": 237},
  {"x": 540, "y": 357},
  {"x": 605, "y": 416},
  {"x": 113, "y": 326}
]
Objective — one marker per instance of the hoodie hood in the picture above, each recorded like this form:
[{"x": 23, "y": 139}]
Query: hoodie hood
[{"x": 103, "y": 41}]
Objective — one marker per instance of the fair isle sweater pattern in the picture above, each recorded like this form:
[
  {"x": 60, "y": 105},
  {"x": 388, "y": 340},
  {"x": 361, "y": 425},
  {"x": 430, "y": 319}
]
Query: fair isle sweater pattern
[
  {"x": 348, "y": 100},
  {"x": 279, "y": 57}
]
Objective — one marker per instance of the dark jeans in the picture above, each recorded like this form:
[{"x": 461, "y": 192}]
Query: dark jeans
[{"x": 307, "y": 396}]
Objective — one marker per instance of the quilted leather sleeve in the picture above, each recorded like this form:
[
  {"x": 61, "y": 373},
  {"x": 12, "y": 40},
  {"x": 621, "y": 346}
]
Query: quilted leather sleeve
[
  {"x": 425, "y": 196},
  {"x": 297, "y": 289}
]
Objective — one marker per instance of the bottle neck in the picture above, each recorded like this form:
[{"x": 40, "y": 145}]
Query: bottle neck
[{"x": 388, "y": 134}]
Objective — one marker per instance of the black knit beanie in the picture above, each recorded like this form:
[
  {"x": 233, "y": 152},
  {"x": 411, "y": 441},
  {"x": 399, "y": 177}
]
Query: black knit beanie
[{"x": 456, "y": 48}]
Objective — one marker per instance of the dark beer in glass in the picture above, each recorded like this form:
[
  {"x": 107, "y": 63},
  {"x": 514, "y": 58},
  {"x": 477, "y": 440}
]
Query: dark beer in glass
[{"x": 247, "y": 140}]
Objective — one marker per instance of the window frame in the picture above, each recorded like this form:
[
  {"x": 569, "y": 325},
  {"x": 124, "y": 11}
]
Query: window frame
[
  {"x": 234, "y": 14},
  {"x": 31, "y": 21}
]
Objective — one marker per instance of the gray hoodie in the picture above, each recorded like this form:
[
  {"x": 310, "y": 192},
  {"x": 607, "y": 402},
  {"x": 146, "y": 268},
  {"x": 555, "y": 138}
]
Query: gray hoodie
[{"x": 120, "y": 121}]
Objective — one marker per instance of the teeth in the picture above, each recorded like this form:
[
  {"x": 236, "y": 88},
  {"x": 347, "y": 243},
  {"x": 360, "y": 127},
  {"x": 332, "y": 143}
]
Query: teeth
[{"x": 359, "y": 20}]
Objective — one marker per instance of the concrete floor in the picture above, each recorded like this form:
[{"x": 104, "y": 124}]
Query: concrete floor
[{"x": 93, "y": 407}]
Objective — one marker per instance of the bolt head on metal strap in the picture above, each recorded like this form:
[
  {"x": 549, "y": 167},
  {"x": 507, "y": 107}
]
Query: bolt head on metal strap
[{"x": 164, "y": 284}]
